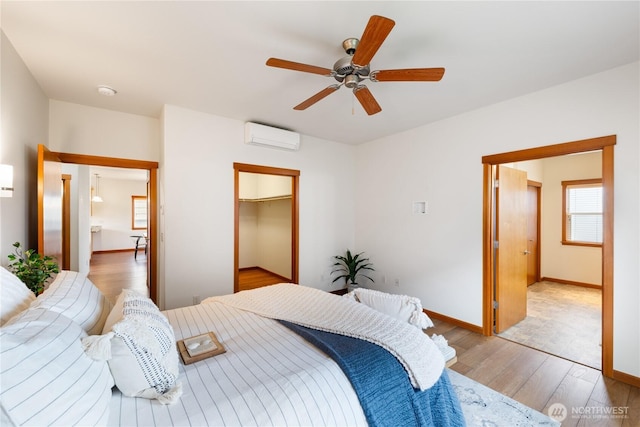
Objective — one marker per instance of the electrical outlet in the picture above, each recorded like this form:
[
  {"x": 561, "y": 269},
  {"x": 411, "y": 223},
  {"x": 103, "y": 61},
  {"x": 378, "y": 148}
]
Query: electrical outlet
[
  {"x": 196, "y": 299},
  {"x": 396, "y": 283}
]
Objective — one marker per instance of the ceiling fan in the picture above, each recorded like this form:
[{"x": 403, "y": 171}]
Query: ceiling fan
[{"x": 351, "y": 70}]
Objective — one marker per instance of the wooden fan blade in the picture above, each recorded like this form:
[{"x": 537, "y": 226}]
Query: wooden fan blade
[
  {"x": 376, "y": 31},
  {"x": 296, "y": 66},
  {"x": 317, "y": 97},
  {"x": 367, "y": 100},
  {"x": 408, "y": 75}
]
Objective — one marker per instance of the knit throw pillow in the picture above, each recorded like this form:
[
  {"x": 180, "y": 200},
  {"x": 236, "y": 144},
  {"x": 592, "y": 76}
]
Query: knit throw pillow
[
  {"x": 140, "y": 346},
  {"x": 402, "y": 307}
]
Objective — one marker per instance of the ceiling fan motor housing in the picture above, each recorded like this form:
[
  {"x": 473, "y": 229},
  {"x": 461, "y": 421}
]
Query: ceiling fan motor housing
[
  {"x": 350, "y": 45},
  {"x": 344, "y": 66}
]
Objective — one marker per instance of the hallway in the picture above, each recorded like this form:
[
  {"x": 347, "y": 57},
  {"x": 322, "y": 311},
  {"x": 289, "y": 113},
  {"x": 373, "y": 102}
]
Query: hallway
[
  {"x": 113, "y": 271},
  {"x": 563, "y": 320}
]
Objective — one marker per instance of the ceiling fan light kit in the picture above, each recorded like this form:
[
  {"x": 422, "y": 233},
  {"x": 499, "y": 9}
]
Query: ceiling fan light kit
[{"x": 348, "y": 71}]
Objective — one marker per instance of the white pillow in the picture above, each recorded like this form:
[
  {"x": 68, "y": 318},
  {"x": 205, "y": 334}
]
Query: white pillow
[
  {"x": 75, "y": 296},
  {"x": 45, "y": 376},
  {"x": 15, "y": 296},
  {"x": 402, "y": 307},
  {"x": 140, "y": 345}
]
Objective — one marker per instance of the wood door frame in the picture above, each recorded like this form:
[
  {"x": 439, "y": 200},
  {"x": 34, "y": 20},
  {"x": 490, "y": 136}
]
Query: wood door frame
[
  {"x": 66, "y": 221},
  {"x": 45, "y": 155},
  {"x": 295, "y": 213},
  {"x": 605, "y": 144},
  {"x": 538, "y": 188},
  {"x": 152, "y": 168}
]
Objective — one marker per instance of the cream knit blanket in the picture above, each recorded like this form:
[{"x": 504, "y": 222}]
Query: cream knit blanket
[{"x": 321, "y": 310}]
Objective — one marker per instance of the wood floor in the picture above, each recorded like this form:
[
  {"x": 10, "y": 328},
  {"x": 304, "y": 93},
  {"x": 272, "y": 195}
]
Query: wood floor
[
  {"x": 539, "y": 380},
  {"x": 532, "y": 377},
  {"x": 256, "y": 277},
  {"x": 564, "y": 320},
  {"x": 112, "y": 272}
]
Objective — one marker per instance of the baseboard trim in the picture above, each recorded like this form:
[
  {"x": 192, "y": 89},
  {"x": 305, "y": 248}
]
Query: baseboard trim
[
  {"x": 456, "y": 322},
  {"x": 570, "y": 282},
  {"x": 113, "y": 251},
  {"x": 284, "y": 279},
  {"x": 626, "y": 378}
]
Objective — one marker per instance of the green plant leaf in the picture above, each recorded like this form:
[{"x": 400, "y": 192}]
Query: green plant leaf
[
  {"x": 351, "y": 266},
  {"x": 31, "y": 268}
]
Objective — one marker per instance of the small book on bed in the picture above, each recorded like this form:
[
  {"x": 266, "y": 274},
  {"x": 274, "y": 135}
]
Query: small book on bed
[{"x": 200, "y": 347}]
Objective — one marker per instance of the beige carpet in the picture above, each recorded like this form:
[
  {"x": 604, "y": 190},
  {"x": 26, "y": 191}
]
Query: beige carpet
[{"x": 563, "y": 320}]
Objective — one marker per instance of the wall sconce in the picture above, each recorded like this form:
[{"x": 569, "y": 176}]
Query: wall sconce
[{"x": 6, "y": 181}]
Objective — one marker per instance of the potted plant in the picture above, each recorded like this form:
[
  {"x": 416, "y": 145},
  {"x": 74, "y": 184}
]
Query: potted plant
[
  {"x": 31, "y": 268},
  {"x": 351, "y": 266}
]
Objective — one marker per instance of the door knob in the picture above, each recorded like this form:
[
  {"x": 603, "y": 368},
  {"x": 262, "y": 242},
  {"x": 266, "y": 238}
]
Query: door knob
[{"x": 527, "y": 252}]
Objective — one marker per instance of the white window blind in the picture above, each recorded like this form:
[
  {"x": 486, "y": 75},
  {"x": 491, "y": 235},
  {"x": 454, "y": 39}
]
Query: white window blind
[{"x": 584, "y": 213}]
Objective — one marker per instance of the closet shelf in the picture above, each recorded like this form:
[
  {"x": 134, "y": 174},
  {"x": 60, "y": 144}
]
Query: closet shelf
[{"x": 266, "y": 199}]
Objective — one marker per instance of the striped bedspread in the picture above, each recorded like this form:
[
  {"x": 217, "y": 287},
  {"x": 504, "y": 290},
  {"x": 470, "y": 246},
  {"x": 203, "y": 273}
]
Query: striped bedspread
[
  {"x": 323, "y": 311},
  {"x": 269, "y": 376}
]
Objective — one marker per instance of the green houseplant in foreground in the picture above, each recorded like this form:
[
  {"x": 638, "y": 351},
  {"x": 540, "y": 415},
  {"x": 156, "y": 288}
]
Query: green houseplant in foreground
[
  {"x": 34, "y": 270},
  {"x": 351, "y": 266}
]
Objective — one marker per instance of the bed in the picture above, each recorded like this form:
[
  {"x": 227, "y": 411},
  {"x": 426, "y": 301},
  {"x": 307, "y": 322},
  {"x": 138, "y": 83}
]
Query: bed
[{"x": 60, "y": 364}]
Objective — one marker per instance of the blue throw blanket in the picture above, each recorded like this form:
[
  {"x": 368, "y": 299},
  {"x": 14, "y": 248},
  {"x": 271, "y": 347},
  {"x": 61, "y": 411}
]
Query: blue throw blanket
[{"x": 382, "y": 384}]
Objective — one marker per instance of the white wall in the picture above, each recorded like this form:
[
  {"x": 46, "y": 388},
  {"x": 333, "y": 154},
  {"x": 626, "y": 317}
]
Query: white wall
[
  {"x": 247, "y": 232},
  {"x": 24, "y": 120},
  {"x": 84, "y": 218},
  {"x": 273, "y": 237},
  {"x": 265, "y": 236},
  {"x": 80, "y": 129},
  {"x": 114, "y": 214},
  {"x": 262, "y": 186},
  {"x": 198, "y": 259},
  {"x": 438, "y": 257},
  {"x": 567, "y": 262}
]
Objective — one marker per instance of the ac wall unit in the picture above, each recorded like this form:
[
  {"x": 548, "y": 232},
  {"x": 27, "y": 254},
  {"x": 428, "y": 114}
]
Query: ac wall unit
[{"x": 267, "y": 136}]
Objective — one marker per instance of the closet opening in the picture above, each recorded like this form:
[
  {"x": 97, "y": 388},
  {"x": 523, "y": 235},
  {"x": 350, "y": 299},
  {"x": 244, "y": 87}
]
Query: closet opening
[{"x": 266, "y": 226}]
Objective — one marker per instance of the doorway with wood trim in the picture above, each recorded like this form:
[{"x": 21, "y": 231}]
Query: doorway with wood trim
[
  {"x": 50, "y": 218},
  {"x": 266, "y": 226},
  {"x": 491, "y": 254}
]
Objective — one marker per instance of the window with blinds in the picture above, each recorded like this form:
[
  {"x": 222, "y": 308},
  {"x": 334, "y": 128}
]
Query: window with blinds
[{"x": 582, "y": 212}]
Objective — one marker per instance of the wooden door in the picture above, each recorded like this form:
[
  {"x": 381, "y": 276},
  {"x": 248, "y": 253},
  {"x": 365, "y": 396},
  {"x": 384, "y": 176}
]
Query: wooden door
[
  {"x": 65, "y": 263},
  {"x": 533, "y": 232},
  {"x": 511, "y": 258},
  {"x": 49, "y": 204}
]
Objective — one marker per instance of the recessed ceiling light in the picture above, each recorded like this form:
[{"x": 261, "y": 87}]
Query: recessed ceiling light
[{"x": 106, "y": 91}]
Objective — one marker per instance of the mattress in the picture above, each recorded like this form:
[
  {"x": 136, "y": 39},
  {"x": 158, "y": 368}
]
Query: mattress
[{"x": 269, "y": 376}]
